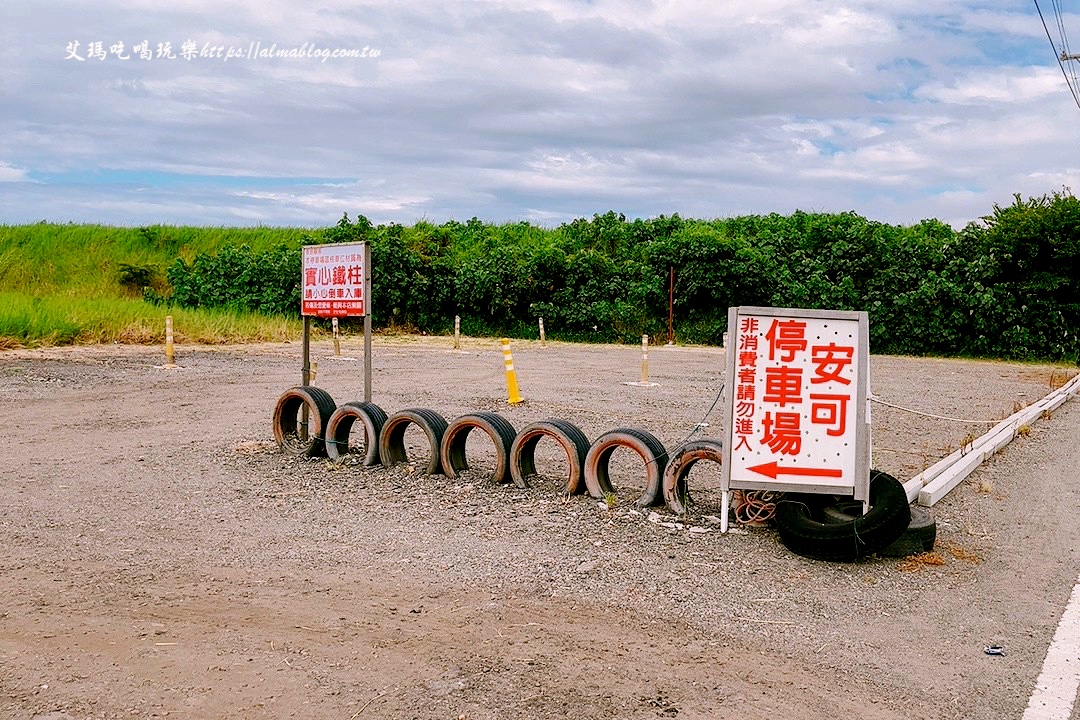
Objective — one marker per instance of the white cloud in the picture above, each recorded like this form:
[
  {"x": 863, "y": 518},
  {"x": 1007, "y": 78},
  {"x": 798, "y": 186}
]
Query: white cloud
[
  {"x": 11, "y": 174},
  {"x": 982, "y": 87},
  {"x": 892, "y": 108}
]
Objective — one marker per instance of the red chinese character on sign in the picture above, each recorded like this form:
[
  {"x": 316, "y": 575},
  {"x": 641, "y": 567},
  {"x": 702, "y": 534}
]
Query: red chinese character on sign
[
  {"x": 744, "y": 409},
  {"x": 749, "y": 325},
  {"x": 356, "y": 275},
  {"x": 829, "y": 410},
  {"x": 745, "y": 392},
  {"x": 829, "y": 361},
  {"x": 787, "y": 337},
  {"x": 324, "y": 276},
  {"x": 783, "y": 385},
  {"x": 781, "y": 433},
  {"x": 748, "y": 342},
  {"x": 338, "y": 275},
  {"x": 309, "y": 276}
]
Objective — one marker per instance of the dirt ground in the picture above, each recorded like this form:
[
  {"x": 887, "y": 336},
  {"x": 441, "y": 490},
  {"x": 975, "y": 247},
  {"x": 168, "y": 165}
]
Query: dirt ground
[{"x": 161, "y": 557}]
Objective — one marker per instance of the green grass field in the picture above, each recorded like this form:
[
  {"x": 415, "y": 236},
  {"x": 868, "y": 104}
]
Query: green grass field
[{"x": 63, "y": 284}]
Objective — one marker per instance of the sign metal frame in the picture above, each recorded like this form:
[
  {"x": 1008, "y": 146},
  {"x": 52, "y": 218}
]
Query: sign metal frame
[
  {"x": 335, "y": 309},
  {"x": 847, "y": 470}
]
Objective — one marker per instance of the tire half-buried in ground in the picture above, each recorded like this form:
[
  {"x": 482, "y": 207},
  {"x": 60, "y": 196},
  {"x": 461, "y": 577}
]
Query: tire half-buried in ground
[
  {"x": 645, "y": 444},
  {"x": 340, "y": 427},
  {"x": 569, "y": 437},
  {"x": 452, "y": 446},
  {"x": 303, "y": 435},
  {"x": 804, "y": 534},
  {"x": 919, "y": 536},
  {"x": 676, "y": 490},
  {"x": 392, "y": 437}
]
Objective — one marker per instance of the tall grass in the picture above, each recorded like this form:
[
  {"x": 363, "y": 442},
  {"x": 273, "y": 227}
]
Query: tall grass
[
  {"x": 85, "y": 260},
  {"x": 62, "y": 284},
  {"x": 35, "y": 321}
]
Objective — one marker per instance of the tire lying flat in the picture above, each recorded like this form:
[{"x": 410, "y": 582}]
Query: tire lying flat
[
  {"x": 919, "y": 537},
  {"x": 804, "y": 534}
]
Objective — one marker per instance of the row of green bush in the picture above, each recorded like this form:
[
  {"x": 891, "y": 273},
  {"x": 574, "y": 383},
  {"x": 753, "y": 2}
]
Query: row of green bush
[{"x": 1006, "y": 286}]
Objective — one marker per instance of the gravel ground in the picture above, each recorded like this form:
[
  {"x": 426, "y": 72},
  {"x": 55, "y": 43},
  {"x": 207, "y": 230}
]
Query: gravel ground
[{"x": 163, "y": 557}]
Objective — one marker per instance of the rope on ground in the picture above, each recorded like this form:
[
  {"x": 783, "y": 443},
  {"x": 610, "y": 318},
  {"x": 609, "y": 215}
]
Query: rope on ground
[
  {"x": 931, "y": 415},
  {"x": 755, "y": 507}
]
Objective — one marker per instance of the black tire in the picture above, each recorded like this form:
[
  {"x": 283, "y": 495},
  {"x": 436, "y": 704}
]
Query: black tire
[
  {"x": 569, "y": 437},
  {"x": 889, "y": 515},
  {"x": 645, "y": 444},
  {"x": 676, "y": 490},
  {"x": 452, "y": 446},
  {"x": 291, "y": 436},
  {"x": 392, "y": 437},
  {"x": 919, "y": 536},
  {"x": 339, "y": 429}
]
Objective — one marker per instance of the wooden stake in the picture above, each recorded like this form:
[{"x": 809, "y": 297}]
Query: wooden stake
[
  {"x": 644, "y": 359},
  {"x": 170, "y": 352}
]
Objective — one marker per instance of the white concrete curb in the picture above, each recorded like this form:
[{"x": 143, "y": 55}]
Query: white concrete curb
[{"x": 936, "y": 481}]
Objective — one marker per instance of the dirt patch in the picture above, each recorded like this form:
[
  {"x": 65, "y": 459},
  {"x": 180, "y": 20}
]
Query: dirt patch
[{"x": 162, "y": 558}]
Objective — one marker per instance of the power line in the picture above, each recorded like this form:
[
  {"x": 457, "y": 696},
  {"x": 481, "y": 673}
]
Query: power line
[
  {"x": 1064, "y": 55},
  {"x": 1066, "y": 52}
]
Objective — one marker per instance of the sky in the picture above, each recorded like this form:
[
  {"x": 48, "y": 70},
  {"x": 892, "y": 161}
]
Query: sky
[{"x": 285, "y": 113}]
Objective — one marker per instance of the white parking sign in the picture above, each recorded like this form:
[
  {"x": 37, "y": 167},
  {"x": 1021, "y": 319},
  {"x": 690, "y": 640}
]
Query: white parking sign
[{"x": 797, "y": 389}]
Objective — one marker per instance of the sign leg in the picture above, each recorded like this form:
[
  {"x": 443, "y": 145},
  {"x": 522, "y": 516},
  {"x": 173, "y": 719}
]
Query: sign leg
[
  {"x": 725, "y": 505},
  {"x": 367, "y": 358}
]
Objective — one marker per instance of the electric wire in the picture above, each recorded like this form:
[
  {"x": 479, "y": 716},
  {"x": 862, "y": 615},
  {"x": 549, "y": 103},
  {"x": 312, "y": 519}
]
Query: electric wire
[
  {"x": 1061, "y": 62},
  {"x": 1067, "y": 54}
]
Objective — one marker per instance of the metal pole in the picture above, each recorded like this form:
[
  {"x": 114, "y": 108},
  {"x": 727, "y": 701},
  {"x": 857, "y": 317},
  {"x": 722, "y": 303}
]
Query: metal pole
[
  {"x": 644, "y": 359},
  {"x": 543, "y": 341},
  {"x": 306, "y": 345},
  {"x": 457, "y": 332},
  {"x": 305, "y": 376},
  {"x": 367, "y": 322},
  {"x": 671, "y": 309},
  {"x": 337, "y": 339}
]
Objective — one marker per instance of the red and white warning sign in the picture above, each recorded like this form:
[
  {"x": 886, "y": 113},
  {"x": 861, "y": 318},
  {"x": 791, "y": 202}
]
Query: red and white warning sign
[
  {"x": 335, "y": 280},
  {"x": 797, "y": 389}
]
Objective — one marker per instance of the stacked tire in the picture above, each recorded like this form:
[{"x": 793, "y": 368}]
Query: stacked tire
[{"x": 805, "y": 531}]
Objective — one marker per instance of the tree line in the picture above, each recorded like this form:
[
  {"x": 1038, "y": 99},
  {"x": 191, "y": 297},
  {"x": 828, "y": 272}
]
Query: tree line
[{"x": 1005, "y": 286}]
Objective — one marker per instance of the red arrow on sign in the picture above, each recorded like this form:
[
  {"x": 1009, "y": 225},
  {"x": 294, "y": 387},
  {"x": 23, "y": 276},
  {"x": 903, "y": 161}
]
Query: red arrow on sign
[{"x": 771, "y": 469}]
